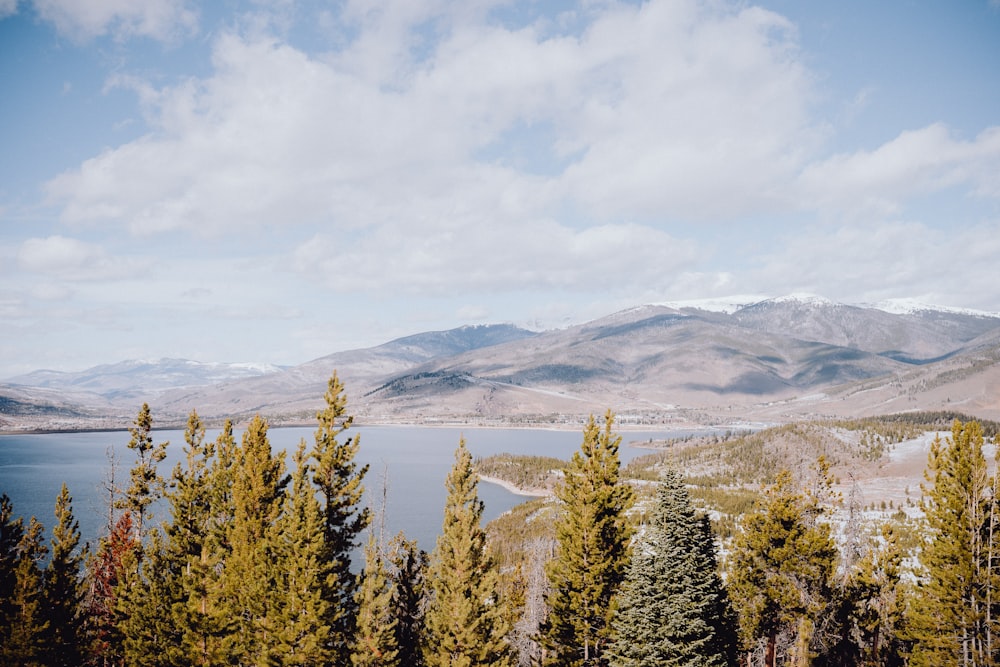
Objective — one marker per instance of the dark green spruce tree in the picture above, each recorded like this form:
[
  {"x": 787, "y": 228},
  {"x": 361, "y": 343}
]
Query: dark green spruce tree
[
  {"x": 466, "y": 621},
  {"x": 592, "y": 552},
  {"x": 672, "y": 608},
  {"x": 339, "y": 479},
  {"x": 64, "y": 588}
]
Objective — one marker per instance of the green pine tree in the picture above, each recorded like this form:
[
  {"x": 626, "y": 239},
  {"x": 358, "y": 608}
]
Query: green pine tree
[
  {"x": 24, "y": 641},
  {"x": 247, "y": 585},
  {"x": 192, "y": 559},
  {"x": 408, "y": 573},
  {"x": 298, "y": 611},
  {"x": 339, "y": 479},
  {"x": 673, "y": 609},
  {"x": 954, "y": 612},
  {"x": 146, "y": 484},
  {"x": 873, "y": 596},
  {"x": 781, "y": 572},
  {"x": 375, "y": 637},
  {"x": 465, "y": 624},
  {"x": 64, "y": 588},
  {"x": 592, "y": 554},
  {"x": 11, "y": 534}
]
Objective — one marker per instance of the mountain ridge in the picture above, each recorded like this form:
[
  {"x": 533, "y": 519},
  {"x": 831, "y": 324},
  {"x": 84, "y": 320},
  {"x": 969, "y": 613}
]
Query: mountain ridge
[{"x": 798, "y": 354}]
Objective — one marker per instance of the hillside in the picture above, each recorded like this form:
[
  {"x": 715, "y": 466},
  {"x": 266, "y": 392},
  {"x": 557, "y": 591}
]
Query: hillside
[{"x": 773, "y": 360}]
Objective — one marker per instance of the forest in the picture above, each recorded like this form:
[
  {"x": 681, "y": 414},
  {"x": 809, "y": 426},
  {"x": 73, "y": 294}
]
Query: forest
[{"x": 659, "y": 563}]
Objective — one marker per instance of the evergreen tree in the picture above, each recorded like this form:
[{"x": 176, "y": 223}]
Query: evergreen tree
[
  {"x": 672, "y": 609},
  {"x": 592, "y": 553},
  {"x": 297, "y": 612},
  {"x": 465, "y": 623},
  {"x": 339, "y": 480},
  {"x": 873, "y": 597},
  {"x": 375, "y": 638},
  {"x": 11, "y": 534},
  {"x": 192, "y": 562},
  {"x": 105, "y": 570},
  {"x": 248, "y": 578},
  {"x": 408, "y": 571},
  {"x": 781, "y": 572},
  {"x": 23, "y": 645},
  {"x": 146, "y": 484},
  {"x": 64, "y": 588},
  {"x": 954, "y": 611}
]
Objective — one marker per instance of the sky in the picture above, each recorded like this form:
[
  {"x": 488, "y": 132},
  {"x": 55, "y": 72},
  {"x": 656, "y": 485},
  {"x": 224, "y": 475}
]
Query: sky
[{"x": 276, "y": 181}]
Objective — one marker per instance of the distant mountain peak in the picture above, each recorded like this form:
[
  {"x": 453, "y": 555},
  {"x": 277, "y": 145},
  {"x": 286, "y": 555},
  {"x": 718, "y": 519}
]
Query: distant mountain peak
[
  {"x": 804, "y": 298},
  {"x": 914, "y": 306}
]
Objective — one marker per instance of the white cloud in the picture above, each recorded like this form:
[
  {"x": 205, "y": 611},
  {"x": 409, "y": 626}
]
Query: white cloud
[
  {"x": 490, "y": 157},
  {"x": 86, "y": 19},
  {"x": 8, "y": 8},
  {"x": 916, "y": 162},
  {"x": 72, "y": 259},
  {"x": 954, "y": 266}
]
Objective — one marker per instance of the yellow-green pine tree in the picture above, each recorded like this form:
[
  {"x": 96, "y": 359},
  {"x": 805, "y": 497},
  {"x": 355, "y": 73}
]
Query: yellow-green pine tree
[
  {"x": 954, "y": 610},
  {"x": 339, "y": 479},
  {"x": 592, "y": 554},
  {"x": 465, "y": 624}
]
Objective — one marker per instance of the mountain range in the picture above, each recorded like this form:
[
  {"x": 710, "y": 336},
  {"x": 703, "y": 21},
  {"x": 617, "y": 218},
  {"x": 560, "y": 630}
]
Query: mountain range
[{"x": 771, "y": 360}]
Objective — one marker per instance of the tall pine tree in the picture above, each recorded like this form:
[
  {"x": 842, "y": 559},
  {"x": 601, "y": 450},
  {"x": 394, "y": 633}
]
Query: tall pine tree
[
  {"x": 258, "y": 485},
  {"x": 64, "y": 588},
  {"x": 781, "y": 572},
  {"x": 24, "y": 643},
  {"x": 955, "y": 612},
  {"x": 673, "y": 609},
  {"x": 339, "y": 479},
  {"x": 592, "y": 554},
  {"x": 408, "y": 573},
  {"x": 297, "y": 612},
  {"x": 465, "y": 623}
]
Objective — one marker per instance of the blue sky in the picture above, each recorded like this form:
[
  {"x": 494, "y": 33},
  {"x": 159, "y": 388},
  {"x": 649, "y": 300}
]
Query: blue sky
[{"x": 251, "y": 181}]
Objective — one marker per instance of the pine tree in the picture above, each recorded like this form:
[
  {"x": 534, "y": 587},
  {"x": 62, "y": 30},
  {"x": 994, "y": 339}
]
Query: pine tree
[
  {"x": 873, "y": 595},
  {"x": 192, "y": 562},
  {"x": 955, "y": 606},
  {"x": 146, "y": 484},
  {"x": 11, "y": 534},
  {"x": 24, "y": 643},
  {"x": 105, "y": 570},
  {"x": 375, "y": 637},
  {"x": 592, "y": 555},
  {"x": 781, "y": 571},
  {"x": 64, "y": 588},
  {"x": 672, "y": 609},
  {"x": 257, "y": 492},
  {"x": 408, "y": 573},
  {"x": 297, "y": 612},
  {"x": 465, "y": 622},
  {"x": 339, "y": 480}
]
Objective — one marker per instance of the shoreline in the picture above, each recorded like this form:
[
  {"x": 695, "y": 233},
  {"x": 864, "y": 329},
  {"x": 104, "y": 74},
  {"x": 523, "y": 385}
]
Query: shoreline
[{"x": 516, "y": 490}]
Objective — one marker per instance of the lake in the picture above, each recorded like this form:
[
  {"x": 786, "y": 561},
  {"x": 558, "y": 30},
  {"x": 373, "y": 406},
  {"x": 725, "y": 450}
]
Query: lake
[{"x": 414, "y": 461}]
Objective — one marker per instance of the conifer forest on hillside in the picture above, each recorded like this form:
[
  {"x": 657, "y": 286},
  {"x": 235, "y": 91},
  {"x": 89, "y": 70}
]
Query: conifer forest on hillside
[{"x": 734, "y": 549}]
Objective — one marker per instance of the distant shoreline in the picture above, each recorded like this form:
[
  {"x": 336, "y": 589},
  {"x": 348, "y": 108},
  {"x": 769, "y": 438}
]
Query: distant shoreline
[{"x": 516, "y": 490}]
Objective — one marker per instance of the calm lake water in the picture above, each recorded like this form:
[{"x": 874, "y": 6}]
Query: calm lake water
[{"x": 414, "y": 461}]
